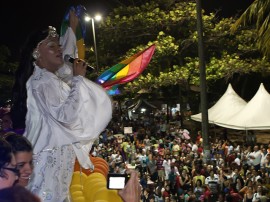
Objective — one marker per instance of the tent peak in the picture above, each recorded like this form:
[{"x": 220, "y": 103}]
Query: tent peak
[
  {"x": 230, "y": 91},
  {"x": 261, "y": 91},
  {"x": 261, "y": 87}
]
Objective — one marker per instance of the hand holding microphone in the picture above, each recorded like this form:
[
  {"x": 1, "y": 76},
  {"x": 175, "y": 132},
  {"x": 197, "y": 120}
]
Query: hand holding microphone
[
  {"x": 79, "y": 67},
  {"x": 68, "y": 58}
]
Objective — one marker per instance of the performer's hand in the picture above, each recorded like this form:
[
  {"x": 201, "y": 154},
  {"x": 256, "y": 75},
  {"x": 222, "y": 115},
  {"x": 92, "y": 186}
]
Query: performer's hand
[
  {"x": 132, "y": 190},
  {"x": 79, "y": 67}
]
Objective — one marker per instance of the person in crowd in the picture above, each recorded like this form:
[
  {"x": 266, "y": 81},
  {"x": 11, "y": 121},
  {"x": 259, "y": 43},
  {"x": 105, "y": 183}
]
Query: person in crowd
[
  {"x": 189, "y": 196},
  {"x": 158, "y": 195},
  {"x": 255, "y": 158},
  {"x": 122, "y": 168},
  {"x": 112, "y": 166},
  {"x": 152, "y": 168},
  {"x": 248, "y": 184},
  {"x": 266, "y": 164},
  {"x": 143, "y": 180},
  {"x": 146, "y": 195},
  {"x": 147, "y": 142},
  {"x": 5, "y": 121},
  {"x": 17, "y": 194},
  {"x": 239, "y": 183},
  {"x": 198, "y": 190},
  {"x": 161, "y": 150},
  {"x": 23, "y": 151},
  {"x": 124, "y": 149},
  {"x": 248, "y": 196},
  {"x": 160, "y": 168},
  {"x": 235, "y": 196},
  {"x": 212, "y": 181},
  {"x": 143, "y": 160},
  {"x": 9, "y": 174},
  {"x": 175, "y": 149},
  {"x": 258, "y": 194},
  {"x": 167, "y": 165},
  {"x": 198, "y": 176},
  {"x": 166, "y": 193},
  {"x": 118, "y": 158},
  {"x": 263, "y": 153}
]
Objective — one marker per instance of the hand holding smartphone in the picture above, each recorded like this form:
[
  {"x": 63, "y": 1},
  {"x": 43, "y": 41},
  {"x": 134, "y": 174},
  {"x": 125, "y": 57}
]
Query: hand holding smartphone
[
  {"x": 116, "y": 180},
  {"x": 132, "y": 190}
]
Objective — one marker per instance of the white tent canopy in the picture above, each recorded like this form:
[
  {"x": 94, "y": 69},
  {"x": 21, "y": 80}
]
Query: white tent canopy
[
  {"x": 226, "y": 107},
  {"x": 254, "y": 116}
]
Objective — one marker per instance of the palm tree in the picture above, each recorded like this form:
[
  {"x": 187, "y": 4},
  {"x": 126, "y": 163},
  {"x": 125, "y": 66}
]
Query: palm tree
[{"x": 258, "y": 14}]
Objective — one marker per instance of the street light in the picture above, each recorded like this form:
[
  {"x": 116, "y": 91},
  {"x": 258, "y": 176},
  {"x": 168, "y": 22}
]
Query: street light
[{"x": 97, "y": 18}]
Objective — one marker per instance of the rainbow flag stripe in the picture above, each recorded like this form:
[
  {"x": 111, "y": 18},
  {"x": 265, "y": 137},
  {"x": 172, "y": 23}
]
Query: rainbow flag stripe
[{"x": 126, "y": 70}]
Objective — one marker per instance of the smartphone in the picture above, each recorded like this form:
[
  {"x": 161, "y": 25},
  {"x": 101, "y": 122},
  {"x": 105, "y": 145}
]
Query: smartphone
[{"x": 116, "y": 181}]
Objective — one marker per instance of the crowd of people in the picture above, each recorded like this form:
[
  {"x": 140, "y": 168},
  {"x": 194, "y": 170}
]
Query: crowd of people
[{"x": 172, "y": 167}]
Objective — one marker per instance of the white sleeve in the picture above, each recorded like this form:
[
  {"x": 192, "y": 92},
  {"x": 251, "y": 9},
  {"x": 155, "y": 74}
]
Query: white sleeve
[
  {"x": 69, "y": 47},
  {"x": 68, "y": 43},
  {"x": 48, "y": 95}
]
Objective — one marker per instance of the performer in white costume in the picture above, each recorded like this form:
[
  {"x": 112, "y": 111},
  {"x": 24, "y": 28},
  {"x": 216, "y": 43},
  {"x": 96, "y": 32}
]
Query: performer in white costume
[{"x": 66, "y": 112}]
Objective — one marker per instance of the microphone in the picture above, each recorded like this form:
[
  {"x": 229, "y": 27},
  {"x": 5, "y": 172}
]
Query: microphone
[{"x": 68, "y": 58}]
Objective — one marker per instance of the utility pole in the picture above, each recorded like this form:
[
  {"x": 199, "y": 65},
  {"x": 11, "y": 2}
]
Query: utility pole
[{"x": 203, "y": 93}]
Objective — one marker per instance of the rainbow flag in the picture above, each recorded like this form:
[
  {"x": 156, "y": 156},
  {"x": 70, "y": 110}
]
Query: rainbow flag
[
  {"x": 114, "y": 90},
  {"x": 80, "y": 31},
  {"x": 126, "y": 70}
]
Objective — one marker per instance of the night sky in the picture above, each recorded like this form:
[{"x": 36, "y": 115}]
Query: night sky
[{"x": 18, "y": 18}]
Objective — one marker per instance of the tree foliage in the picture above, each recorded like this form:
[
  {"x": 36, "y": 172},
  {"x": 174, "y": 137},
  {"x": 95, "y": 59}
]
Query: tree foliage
[
  {"x": 7, "y": 68},
  {"x": 258, "y": 14},
  {"x": 172, "y": 27}
]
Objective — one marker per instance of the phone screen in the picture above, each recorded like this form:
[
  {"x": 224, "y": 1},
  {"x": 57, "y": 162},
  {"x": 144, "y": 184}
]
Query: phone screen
[{"x": 116, "y": 182}]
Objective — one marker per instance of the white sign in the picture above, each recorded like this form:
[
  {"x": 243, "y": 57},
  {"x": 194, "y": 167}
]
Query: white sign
[{"x": 128, "y": 130}]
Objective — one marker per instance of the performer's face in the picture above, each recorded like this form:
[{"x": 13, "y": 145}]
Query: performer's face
[{"x": 50, "y": 54}]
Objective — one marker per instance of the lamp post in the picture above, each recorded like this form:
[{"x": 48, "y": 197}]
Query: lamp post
[{"x": 97, "y": 18}]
